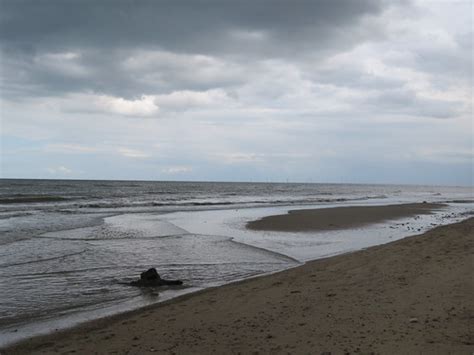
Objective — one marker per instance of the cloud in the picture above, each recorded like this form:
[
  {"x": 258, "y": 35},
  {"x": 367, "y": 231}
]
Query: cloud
[
  {"x": 89, "y": 103},
  {"x": 187, "y": 99},
  {"x": 65, "y": 64},
  {"x": 70, "y": 148},
  {"x": 404, "y": 102},
  {"x": 133, "y": 153},
  {"x": 155, "y": 47},
  {"x": 168, "y": 70},
  {"x": 237, "y": 158},
  {"x": 319, "y": 85},
  {"x": 145, "y": 106},
  {"x": 173, "y": 170},
  {"x": 209, "y": 26},
  {"x": 59, "y": 170}
]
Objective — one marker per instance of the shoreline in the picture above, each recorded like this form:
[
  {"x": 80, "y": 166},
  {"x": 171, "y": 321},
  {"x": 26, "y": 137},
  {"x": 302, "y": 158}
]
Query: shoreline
[{"x": 211, "y": 318}]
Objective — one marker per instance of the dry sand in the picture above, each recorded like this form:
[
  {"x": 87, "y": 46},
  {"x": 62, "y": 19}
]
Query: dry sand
[
  {"x": 411, "y": 296},
  {"x": 340, "y": 217}
]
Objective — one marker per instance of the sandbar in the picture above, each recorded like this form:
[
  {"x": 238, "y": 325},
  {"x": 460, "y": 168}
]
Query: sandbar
[{"x": 339, "y": 217}]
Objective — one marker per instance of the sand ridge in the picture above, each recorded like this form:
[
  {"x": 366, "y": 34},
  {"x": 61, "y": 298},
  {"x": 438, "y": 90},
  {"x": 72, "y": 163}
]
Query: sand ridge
[{"x": 339, "y": 217}]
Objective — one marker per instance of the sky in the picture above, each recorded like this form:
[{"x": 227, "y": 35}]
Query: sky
[{"x": 252, "y": 90}]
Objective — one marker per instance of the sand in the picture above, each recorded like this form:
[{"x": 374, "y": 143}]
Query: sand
[
  {"x": 411, "y": 296},
  {"x": 339, "y": 218}
]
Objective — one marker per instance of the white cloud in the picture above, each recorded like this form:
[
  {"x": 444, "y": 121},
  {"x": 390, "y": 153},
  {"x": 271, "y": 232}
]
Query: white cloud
[
  {"x": 176, "y": 170},
  {"x": 182, "y": 100},
  {"x": 90, "y": 103},
  {"x": 59, "y": 170},
  {"x": 145, "y": 106},
  {"x": 70, "y": 148},
  {"x": 133, "y": 153},
  {"x": 239, "y": 158}
]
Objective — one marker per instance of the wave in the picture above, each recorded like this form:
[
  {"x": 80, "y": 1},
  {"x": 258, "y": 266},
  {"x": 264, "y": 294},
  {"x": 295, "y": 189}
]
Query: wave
[
  {"x": 114, "y": 237},
  {"x": 14, "y": 215},
  {"x": 31, "y": 199},
  {"x": 184, "y": 203},
  {"x": 43, "y": 260}
]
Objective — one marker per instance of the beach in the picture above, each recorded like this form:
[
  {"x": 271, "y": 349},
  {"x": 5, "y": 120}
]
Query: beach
[
  {"x": 236, "y": 177},
  {"x": 408, "y": 296}
]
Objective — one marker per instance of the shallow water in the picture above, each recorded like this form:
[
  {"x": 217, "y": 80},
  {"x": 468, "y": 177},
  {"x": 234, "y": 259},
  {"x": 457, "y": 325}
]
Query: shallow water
[{"x": 61, "y": 262}]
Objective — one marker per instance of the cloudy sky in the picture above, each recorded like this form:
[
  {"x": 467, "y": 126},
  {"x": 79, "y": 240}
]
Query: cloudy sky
[{"x": 257, "y": 90}]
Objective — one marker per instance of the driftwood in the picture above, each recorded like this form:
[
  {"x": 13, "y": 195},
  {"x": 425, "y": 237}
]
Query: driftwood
[{"x": 151, "y": 278}]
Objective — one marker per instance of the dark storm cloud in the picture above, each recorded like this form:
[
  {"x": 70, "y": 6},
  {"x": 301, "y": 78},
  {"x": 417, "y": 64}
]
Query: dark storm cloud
[
  {"x": 105, "y": 33},
  {"x": 175, "y": 25}
]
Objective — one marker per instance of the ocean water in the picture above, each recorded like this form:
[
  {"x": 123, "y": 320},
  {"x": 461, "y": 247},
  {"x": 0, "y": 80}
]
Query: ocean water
[{"x": 68, "y": 249}]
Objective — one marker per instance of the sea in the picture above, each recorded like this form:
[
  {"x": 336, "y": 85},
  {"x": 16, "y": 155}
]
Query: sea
[{"x": 70, "y": 248}]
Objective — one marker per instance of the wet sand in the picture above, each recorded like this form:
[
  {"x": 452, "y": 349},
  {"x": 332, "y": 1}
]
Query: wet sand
[
  {"x": 409, "y": 296},
  {"x": 339, "y": 217}
]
